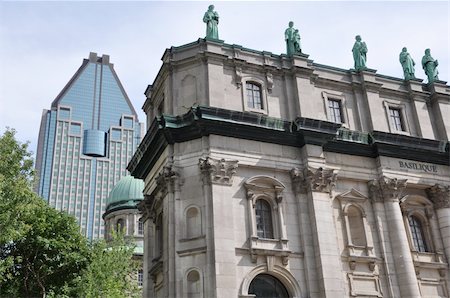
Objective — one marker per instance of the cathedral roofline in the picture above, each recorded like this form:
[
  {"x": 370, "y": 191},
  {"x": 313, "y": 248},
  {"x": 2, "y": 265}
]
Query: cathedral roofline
[{"x": 202, "y": 121}]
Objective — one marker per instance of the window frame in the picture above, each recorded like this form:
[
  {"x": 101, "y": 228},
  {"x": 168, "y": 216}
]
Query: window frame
[
  {"x": 140, "y": 226},
  {"x": 263, "y": 95},
  {"x": 270, "y": 190},
  {"x": 388, "y": 106},
  {"x": 268, "y": 231},
  {"x": 340, "y": 98},
  {"x": 416, "y": 229}
]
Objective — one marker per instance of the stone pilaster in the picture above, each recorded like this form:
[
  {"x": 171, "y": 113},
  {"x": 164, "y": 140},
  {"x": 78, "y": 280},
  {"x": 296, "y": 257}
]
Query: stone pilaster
[
  {"x": 440, "y": 196},
  {"x": 300, "y": 188},
  {"x": 217, "y": 177},
  {"x": 316, "y": 185},
  {"x": 387, "y": 191},
  {"x": 167, "y": 182}
]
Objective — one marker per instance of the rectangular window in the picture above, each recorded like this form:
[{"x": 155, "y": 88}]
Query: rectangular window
[
  {"x": 140, "y": 227},
  {"x": 64, "y": 113},
  {"x": 140, "y": 279},
  {"x": 254, "y": 96},
  {"x": 396, "y": 119},
  {"x": 335, "y": 110},
  {"x": 127, "y": 122},
  {"x": 75, "y": 129}
]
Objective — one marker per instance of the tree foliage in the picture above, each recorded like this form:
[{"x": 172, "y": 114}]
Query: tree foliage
[
  {"x": 111, "y": 272},
  {"x": 42, "y": 252}
]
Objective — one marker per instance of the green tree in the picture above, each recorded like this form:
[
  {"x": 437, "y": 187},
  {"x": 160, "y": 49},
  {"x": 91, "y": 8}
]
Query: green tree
[
  {"x": 42, "y": 252},
  {"x": 16, "y": 178},
  {"x": 111, "y": 271},
  {"x": 41, "y": 249}
]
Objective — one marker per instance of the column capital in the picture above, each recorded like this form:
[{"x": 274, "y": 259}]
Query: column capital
[
  {"x": 165, "y": 180},
  {"x": 315, "y": 179},
  {"x": 439, "y": 195},
  {"x": 217, "y": 171},
  {"x": 386, "y": 188}
]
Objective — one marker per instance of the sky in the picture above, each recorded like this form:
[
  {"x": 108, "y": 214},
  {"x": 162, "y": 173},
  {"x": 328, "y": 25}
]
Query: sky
[{"x": 42, "y": 44}]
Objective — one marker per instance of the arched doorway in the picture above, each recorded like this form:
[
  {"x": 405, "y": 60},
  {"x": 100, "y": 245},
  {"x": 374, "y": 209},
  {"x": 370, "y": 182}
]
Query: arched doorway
[{"x": 267, "y": 286}]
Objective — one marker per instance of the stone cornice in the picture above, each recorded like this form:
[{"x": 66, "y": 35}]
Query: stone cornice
[
  {"x": 440, "y": 196},
  {"x": 386, "y": 188},
  {"x": 203, "y": 121}
]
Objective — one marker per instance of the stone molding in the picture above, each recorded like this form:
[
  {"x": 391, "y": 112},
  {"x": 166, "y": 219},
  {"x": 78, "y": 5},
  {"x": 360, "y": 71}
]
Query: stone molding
[
  {"x": 386, "y": 188},
  {"x": 319, "y": 180},
  {"x": 439, "y": 195},
  {"x": 217, "y": 171}
]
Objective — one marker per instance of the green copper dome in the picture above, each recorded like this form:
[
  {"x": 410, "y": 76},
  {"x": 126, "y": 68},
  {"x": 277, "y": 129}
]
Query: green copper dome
[{"x": 127, "y": 193}]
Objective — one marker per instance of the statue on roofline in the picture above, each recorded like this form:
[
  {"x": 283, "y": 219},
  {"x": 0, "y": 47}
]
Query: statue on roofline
[
  {"x": 430, "y": 67},
  {"x": 359, "y": 54},
  {"x": 211, "y": 18},
  {"x": 407, "y": 64},
  {"x": 292, "y": 38}
]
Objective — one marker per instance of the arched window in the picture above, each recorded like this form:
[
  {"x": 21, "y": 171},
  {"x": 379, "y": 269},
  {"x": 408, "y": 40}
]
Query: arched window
[
  {"x": 120, "y": 225},
  {"x": 193, "y": 284},
  {"x": 193, "y": 224},
  {"x": 264, "y": 226},
  {"x": 417, "y": 233},
  {"x": 356, "y": 224},
  {"x": 254, "y": 96},
  {"x": 265, "y": 285}
]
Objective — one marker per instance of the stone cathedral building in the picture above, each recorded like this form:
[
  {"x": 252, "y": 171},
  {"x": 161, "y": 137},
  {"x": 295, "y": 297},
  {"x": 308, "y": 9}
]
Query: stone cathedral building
[{"x": 274, "y": 176}]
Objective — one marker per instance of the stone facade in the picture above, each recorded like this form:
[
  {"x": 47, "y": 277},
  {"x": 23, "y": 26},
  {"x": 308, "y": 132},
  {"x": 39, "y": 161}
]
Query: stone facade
[{"x": 333, "y": 182}]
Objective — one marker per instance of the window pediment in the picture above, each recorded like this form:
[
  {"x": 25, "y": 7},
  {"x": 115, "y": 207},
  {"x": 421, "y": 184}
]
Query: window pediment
[
  {"x": 352, "y": 196},
  {"x": 264, "y": 183}
]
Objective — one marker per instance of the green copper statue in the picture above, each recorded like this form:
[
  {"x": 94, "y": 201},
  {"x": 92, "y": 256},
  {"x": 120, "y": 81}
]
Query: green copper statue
[
  {"x": 292, "y": 38},
  {"x": 211, "y": 18},
  {"x": 430, "y": 67},
  {"x": 407, "y": 64},
  {"x": 359, "y": 54}
]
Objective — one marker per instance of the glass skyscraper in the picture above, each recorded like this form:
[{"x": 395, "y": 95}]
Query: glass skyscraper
[{"x": 85, "y": 142}]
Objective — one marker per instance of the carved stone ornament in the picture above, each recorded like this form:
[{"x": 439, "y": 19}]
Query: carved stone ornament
[
  {"x": 238, "y": 76},
  {"x": 165, "y": 179},
  {"x": 386, "y": 188},
  {"x": 269, "y": 79},
  {"x": 322, "y": 180},
  {"x": 218, "y": 171},
  {"x": 145, "y": 207},
  {"x": 439, "y": 195},
  {"x": 299, "y": 184}
]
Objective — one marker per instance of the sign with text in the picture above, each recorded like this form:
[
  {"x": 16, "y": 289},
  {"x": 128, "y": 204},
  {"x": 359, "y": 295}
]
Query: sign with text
[{"x": 424, "y": 167}]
